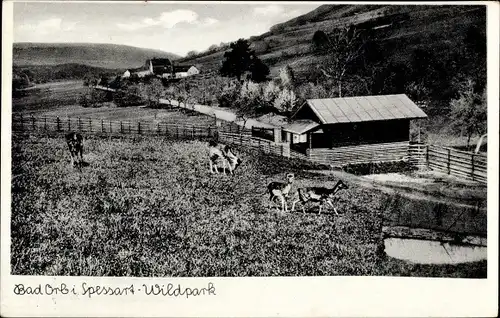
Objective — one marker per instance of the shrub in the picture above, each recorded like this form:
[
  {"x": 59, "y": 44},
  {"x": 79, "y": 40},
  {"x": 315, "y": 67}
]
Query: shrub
[{"x": 129, "y": 97}]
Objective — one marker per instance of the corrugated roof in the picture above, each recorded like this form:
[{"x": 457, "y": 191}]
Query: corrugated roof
[
  {"x": 365, "y": 108},
  {"x": 300, "y": 126}
]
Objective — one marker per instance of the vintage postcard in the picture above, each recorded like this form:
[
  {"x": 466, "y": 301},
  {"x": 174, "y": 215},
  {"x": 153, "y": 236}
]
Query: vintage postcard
[{"x": 235, "y": 159}]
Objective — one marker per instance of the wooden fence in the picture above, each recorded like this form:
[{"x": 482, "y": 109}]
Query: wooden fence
[
  {"x": 457, "y": 163},
  {"x": 266, "y": 146},
  {"x": 359, "y": 154},
  {"x": 110, "y": 127},
  {"x": 454, "y": 162}
]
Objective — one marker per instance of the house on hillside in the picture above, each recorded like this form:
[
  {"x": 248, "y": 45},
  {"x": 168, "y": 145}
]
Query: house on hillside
[
  {"x": 181, "y": 71},
  {"x": 126, "y": 74},
  {"x": 350, "y": 129},
  {"x": 159, "y": 66}
]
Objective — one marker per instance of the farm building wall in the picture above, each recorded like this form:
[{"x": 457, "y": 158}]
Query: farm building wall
[{"x": 373, "y": 132}]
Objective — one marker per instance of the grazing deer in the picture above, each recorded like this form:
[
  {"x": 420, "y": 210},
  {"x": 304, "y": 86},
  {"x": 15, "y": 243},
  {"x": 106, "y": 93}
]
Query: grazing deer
[
  {"x": 223, "y": 153},
  {"x": 75, "y": 144},
  {"x": 281, "y": 190},
  {"x": 319, "y": 195}
]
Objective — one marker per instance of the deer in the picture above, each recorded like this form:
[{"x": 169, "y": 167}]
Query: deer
[
  {"x": 319, "y": 195},
  {"x": 75, "y": 145},
  {"x": 222, "y": 153},
  {"x": 281, "y": 190}
]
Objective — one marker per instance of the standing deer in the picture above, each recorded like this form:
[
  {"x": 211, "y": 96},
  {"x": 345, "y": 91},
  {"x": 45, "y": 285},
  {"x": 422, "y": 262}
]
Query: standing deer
[
  {"x": 75, "y": 145},
  {"x": 222, "y": 153},
  {"x": 319, "y": 195},
  {"x": 281, "y": 190}
]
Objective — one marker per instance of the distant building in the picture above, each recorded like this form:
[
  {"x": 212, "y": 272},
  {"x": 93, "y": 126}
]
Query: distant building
[
  {"x": 159, "y": 66},
  {"x": 181, "y": 71},
  {"x": 126, "y": 74}
]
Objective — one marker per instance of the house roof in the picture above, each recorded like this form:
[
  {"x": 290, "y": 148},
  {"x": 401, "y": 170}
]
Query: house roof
[
  {"x": 364, "y": 108},
  {"x": 182, "y": 68},
  {"x": 298, "y": 126},
  {"x": 160, "y": 62}
]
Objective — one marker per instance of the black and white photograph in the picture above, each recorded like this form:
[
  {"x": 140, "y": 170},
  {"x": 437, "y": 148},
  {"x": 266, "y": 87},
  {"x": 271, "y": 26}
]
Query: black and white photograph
[{"x": 242, "y": 139}]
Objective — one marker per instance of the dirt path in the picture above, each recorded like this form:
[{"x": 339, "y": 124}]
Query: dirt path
[{"x": 407, "y": 191}]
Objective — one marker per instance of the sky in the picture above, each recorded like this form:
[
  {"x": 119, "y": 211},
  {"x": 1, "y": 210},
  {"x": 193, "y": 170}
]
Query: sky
[{"x": 172, "y": 27}]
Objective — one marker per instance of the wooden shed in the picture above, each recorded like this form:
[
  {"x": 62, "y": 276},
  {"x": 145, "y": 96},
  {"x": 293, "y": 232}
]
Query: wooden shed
[{"x": 365, "y": 128}]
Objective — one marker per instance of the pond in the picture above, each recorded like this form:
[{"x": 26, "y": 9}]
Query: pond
[
  {"x": 429, "y": 232},
  {"x": 433, "y": 252}
]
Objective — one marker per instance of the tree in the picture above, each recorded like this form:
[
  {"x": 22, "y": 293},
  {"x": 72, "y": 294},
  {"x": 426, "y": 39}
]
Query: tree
[
  {"x": 469, "y": 112},
  {"x": 247, "y": 104},
  {"x": 321, "y": 41},
  {"x": 191, "y": 54},
  {"x": 94, "y": 98},
  {"x": 286, "y": 102},
  {"x": 287, "y": 77},
  {"x": 259, "y": 70},
  {"x": 241, "y": 59},
  {"x": 212, "y": 48},
  {"x": 104, "y": 81},
  {"x": 152, "y": 91},
  {"x": 90, "y": 80},
  {"x": 342, "y": 47},
  {"x": 237, "y": 60},
  {"x": 131, "y": 96}
]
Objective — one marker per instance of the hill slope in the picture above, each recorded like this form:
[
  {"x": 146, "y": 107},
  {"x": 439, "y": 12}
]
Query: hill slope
[
  {"x": 398, "y": 29},
  {"x": 109, "y": 56}
]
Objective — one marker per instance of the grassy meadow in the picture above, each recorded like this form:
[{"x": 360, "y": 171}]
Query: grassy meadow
[
  {"x": 48, "y": 96},
  {"x": 151, "y": 208}
]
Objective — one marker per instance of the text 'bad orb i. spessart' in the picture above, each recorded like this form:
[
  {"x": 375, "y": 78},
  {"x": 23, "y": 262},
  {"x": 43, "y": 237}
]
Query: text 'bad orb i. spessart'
[{"x": 170, "y": 290}]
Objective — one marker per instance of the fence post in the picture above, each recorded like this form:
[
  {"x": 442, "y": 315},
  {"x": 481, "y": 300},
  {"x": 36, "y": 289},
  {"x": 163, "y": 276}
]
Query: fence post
[
  {"x": 129, "y": 127},
  {"x": 58, "y": 124},
  {"x": 79, "y": 124},
  {"x": 427, "y": 155},
  {"x": 449, "y": 157},
  {"x": 90, "y": 124},
  {"x": 139, "y": 128},
  {"x": 102, "y": 125},
  {"x": 241, "y": 139},
  {"x": 69, "y": 124},
  {"x": 177, "y": 131},
  {"x": 209, "y": 131},
  {"x": 158, "y": 129},
  {"x": 472, "y": 162},
  {"x": 193, "y": 132},
  {"x": 121, "y": 127},
  {"x": 110, "y": 128},
  {"x": 33, "y": 122},
  {"x": 45, "y": 123}
]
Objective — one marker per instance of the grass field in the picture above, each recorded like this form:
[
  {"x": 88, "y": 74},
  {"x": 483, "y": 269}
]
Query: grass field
[
  {"x": 49, "y": 96},
  {"x": 151, "y": 208},
  {"x": 174, "y": 116}
]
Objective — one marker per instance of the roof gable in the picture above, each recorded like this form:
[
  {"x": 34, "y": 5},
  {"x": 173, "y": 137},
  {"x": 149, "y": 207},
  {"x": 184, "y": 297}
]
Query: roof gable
[{"x": 365, "y": 108}]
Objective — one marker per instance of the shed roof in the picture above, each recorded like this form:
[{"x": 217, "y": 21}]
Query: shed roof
[
  {"x": 297, "y": 126},
  {"x": 300, "y": 126},
  {"x": 365, "y": 108},
  {"x": 160, "y": 62},
  {"x": 182, "y": 68}
]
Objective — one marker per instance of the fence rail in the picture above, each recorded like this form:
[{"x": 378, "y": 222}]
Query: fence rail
[
  {"x": 454, "y": 162},
  {"x": 458, "y": 163},
  {"x": 360, "y": 153}
]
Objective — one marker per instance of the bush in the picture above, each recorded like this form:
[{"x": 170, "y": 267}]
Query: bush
[
  {"x": 94, "y": 98},
  {"x": 129, "y": 97}
]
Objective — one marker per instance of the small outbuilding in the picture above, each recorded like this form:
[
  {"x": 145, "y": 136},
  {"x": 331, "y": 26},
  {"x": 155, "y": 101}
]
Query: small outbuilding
[{"x": 366, "y": 127}]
